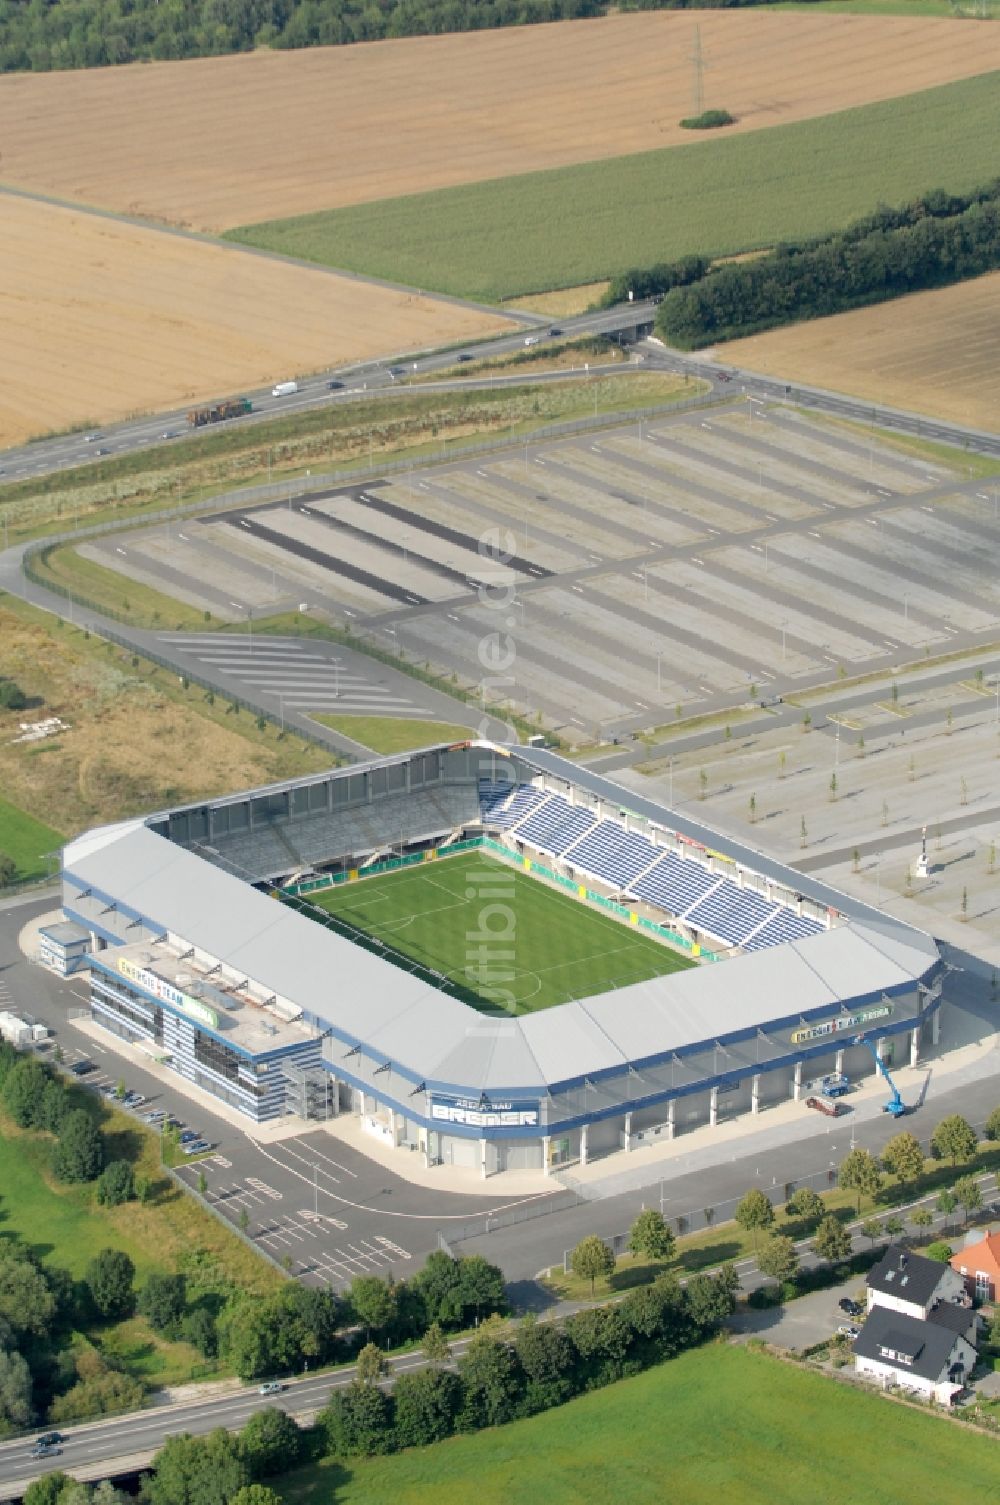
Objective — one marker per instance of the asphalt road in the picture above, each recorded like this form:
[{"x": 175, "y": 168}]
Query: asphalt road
[{"x": 63, "y": 453}]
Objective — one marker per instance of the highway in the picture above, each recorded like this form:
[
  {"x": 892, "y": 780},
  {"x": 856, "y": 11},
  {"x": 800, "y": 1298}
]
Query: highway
[{"x": 47, "y": 456}]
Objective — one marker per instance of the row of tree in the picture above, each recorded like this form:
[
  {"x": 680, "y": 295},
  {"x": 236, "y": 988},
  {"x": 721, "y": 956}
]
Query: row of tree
[
  {"x": 500, "y": 1377},
  {"x": 937, "y": 240},
  {"x": 39, "y": 35}
]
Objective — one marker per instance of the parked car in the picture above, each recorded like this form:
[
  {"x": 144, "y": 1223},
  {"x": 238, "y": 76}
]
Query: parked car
[
  {"x": 82, "y": 1068},
  {"x": 850, "y": 1308},
  {"x": 133, "y": 1099},
  {"x": 155, "y": 1115},
  {"x": 189, "y": 1136},
  {"x": 848, "y": 1330},
  {"x": 270, "y": 1387},
  {"x": 196, "y": 1147}
]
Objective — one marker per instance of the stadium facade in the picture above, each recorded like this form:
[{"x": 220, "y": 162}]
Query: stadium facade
[{"x": 271, "y": 1012}]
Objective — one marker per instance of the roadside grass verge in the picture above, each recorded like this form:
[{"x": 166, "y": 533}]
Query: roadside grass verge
[
  {"x": 721, "y": 1423},
  {"x": 110, "y": 591},
  {"x": 367, "y": 431},
  {"x": 393, "y": 734},
  {"x": 727, "y": 1241},
  {"x": 26, "y": 840},
  {"x": 538, "y": 231}
]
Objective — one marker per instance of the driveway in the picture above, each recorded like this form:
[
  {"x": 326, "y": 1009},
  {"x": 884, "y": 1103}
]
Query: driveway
[{"x": 803, "y": 1322}]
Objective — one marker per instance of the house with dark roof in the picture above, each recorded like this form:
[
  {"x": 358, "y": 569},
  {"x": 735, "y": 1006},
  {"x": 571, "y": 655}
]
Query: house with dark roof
[
  {"x": 911, "y": 1284},
  {"x": 929, "y": 1357}
]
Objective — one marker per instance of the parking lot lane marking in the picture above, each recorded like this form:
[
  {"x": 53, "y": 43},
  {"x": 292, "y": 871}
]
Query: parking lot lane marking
[
  {"x": 329, "y": 1160},
  {"x": 387, "y": 1243},
  {"x": 267, "y": 1191},
  {"x": 221, "y": 1162}
]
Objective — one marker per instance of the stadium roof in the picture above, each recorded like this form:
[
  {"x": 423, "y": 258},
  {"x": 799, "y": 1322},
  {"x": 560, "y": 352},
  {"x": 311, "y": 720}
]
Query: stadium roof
[{"x": 430, "y": 1037}]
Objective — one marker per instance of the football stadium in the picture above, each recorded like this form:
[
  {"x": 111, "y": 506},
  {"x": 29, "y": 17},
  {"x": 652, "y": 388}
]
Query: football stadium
[{"x": 493, "y": 958}]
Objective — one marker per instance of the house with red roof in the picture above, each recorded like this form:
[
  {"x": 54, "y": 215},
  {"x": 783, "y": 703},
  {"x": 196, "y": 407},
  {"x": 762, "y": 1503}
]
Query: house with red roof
[{"x": 978, "y": 1263}]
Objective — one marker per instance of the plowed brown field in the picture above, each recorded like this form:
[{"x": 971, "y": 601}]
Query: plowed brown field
[
  {"x": 933, "y": 353},
  {"x": 220, "y": 142},
  {"x": 101, "y": 319}
]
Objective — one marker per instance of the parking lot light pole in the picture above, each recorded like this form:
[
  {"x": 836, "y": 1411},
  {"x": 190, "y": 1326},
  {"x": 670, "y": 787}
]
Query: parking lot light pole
[{"x": 316, "y": 1189}]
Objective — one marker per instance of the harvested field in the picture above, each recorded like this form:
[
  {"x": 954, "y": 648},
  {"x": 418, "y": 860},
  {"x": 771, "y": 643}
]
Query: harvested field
[
  {"x": 225, "y": 141},
  {"x": 103, "y": 319},
  {"x": 933, "y": 352}
]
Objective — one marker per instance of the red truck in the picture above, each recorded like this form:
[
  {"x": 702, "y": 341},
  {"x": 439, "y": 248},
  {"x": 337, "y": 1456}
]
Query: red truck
[{"x": 827, "y": 1105}]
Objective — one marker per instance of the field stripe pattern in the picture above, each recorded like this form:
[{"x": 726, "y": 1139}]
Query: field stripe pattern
[{"x": 559, "y": 948}]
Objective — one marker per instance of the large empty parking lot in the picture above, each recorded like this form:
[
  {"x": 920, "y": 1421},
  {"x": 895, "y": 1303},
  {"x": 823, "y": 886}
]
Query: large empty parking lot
[{"x": 687, "y": 561}]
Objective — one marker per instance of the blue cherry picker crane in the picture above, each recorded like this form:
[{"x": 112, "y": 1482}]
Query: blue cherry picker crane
[{"x": 895, "y": 1105}]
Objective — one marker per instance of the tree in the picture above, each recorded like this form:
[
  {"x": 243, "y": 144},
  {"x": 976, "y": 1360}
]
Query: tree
[
  {"x": 79, "y": 1151},
  {"x": 805, "y": 1204},
  {"x": 602, "y": 1336},
  {"x": 110, "y": 1278},
  {"x": 754, "y": 1212},
  {"x": 426, "y": 1404},
  {"x": 860, "y": 1172},
  {"x": 198, "y": 1328},
  {"x": 710, "y": 1299},
  {"x": 47, "y": 1489},
  {"x": 903, "y": 1157},
  {"x": 15, "y": 1393},
  {"x": 778, "y": 1258},
  {"x": 832, "y": 1241},
  {"x": 371, "y": 1364},
  {"x": 592, "y": 1260},
  {"x": 23, "y": 1090},
  {"x": 992, "y": 1130},
  {"x": 546, "y": 1356},
  {"x": 162, "y": 1300},
  {"x": 871, "y": 1228},
  {"x": 373, "y": 1301},
  {"x": 481, "y": 1287},
  {"x": 435, "y": 1345},
  {"x": 954, "y": 1139},
  {"x": 969, "y": 1195},
  {"x": 270, "y": 1443},
  {"x": 940, "y": 1251},
  {"x": 491, "y": 1384},
  {"x": 922, "y": 1217},
  {"x": 53, "y": 1108},
  {"x": 116, "y": 1184},
  {"x": 197, "y": 1471},
  {"x": 894, "y": 1227},
  {"x": 946, "y": 1203},
  {"x": 358, "y": 1421},
  {"x": 649, "y": 1235}
]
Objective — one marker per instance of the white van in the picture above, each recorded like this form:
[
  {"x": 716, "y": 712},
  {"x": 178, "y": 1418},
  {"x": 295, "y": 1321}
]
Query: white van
[{"x": 284, "y": 388}]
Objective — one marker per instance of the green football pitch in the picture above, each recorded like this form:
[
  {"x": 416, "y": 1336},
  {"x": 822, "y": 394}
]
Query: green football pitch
[{"x": 504, "y": 941}]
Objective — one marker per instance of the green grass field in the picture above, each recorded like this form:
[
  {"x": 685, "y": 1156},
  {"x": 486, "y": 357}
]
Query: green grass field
[
  {"x": 27, "y": 840},
  {"x": 717, "y": 1426},
  {"x": 574, "y": 225},
  {"x": 562, "y": 949},
  {"x": 393, "y": 734}
]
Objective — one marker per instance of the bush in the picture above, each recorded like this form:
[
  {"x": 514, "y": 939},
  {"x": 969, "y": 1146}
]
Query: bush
[
  {"x": 708, "y": 120},
  {"x": 198, "y": 1328},
  {"x": 116, "y": 1184},
  {"x": 12, "y": 697},
  {"x": 939, "y": 1251}
]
